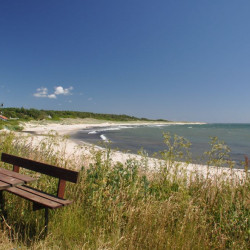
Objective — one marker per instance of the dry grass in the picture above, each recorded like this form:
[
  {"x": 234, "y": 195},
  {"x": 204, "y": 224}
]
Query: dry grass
[{"x": 118, "y": 206}]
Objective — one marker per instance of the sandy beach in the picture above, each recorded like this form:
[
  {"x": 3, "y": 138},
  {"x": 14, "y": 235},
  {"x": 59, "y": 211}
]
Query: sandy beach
[
  {"x": 68, "y": 126},
  {"x": 37, "y": 131}
]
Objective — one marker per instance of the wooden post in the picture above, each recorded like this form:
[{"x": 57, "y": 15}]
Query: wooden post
[
  {"x": 16, "y": 168},
  {"x": 61, "y": 188}
]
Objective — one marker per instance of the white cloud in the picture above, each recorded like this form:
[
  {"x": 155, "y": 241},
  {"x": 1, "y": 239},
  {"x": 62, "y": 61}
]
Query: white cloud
[
  {"x": 41, "y": 92},
  {"x": 59, "y": 90},
  {"x": 90, "y": 99},
  {"x": 52, "y": 96}
]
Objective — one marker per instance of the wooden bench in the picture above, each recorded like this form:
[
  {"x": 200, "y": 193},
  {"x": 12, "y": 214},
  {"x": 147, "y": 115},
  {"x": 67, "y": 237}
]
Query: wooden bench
[{"x": 40, "y": 199}]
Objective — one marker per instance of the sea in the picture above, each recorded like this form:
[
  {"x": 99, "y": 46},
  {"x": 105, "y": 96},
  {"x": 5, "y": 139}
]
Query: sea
[{"x": 149, "y": 138}]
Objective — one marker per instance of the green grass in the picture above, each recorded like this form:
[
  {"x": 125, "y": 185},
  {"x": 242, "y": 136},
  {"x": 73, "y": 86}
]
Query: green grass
[
  {"x": 10, "y": 125},
  {"x": 121, "y": 206}
]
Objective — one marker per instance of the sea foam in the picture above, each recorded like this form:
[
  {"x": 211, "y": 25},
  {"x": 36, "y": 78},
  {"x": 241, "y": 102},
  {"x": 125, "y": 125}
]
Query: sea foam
[
  {"x": 104, "y": 138},
  {"x": 109, "y": 129},
  {"x": 92, "y": 132}
]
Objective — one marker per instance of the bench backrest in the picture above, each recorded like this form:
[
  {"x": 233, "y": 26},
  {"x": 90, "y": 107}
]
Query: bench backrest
[{"x": 61, "y": 173}]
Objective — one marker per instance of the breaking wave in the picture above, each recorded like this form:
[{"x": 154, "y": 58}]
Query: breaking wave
[{"x": 104, "y": 138}]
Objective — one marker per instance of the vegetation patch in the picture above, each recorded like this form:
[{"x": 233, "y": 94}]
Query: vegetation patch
[
  {"x": 123, "y": 206},
  {"x": 35, "y": 114}
]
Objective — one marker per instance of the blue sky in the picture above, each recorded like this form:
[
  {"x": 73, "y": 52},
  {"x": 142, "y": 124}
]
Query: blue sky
[{"x": 178, "y": 60}]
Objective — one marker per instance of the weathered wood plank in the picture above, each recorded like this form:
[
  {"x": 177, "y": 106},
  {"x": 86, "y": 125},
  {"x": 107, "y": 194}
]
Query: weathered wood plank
[
  {"x": 22, "y": 177},
  {"x": 62, "y": 173},
  {"x": 45, "y": 195},
  {"x": 10, "y": 180},
  {"x": 4, "y": 185},
  {"x": 33, "y": 197}
]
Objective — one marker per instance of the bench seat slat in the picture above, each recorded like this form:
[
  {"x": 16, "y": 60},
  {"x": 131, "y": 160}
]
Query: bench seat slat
[
  {"x": 3, "y": 185},
  {"x": 22, "y": 177},
  {"x": 12, "y": 181},
  {"x": 35, "y": 198},
  {"x": 45, "y": 195}
]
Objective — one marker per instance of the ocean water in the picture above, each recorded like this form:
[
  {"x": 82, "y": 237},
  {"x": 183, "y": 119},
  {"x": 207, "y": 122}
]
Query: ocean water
[{"x": 150, "y": 138}]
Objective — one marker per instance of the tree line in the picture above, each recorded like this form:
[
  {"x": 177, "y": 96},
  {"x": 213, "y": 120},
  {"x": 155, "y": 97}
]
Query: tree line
[{"x": 36, "y": 114}]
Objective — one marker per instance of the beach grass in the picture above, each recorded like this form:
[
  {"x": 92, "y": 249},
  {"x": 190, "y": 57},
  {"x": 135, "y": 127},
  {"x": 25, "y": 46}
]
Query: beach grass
[{"x": 125, "y": 206}]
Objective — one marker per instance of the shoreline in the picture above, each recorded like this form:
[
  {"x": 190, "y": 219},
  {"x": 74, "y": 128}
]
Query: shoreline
[
  {"x": 38, "y": 131},
  {"x": 64, "y": 128}
]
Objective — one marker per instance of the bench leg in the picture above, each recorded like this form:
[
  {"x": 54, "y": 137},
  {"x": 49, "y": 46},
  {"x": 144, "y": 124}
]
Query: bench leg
[
  {"x": 46, "y": 220},
  {"x": 3, "y": 211},
  {"x": 2, "y": 203},
  {"x": 46, "y": 215}
]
